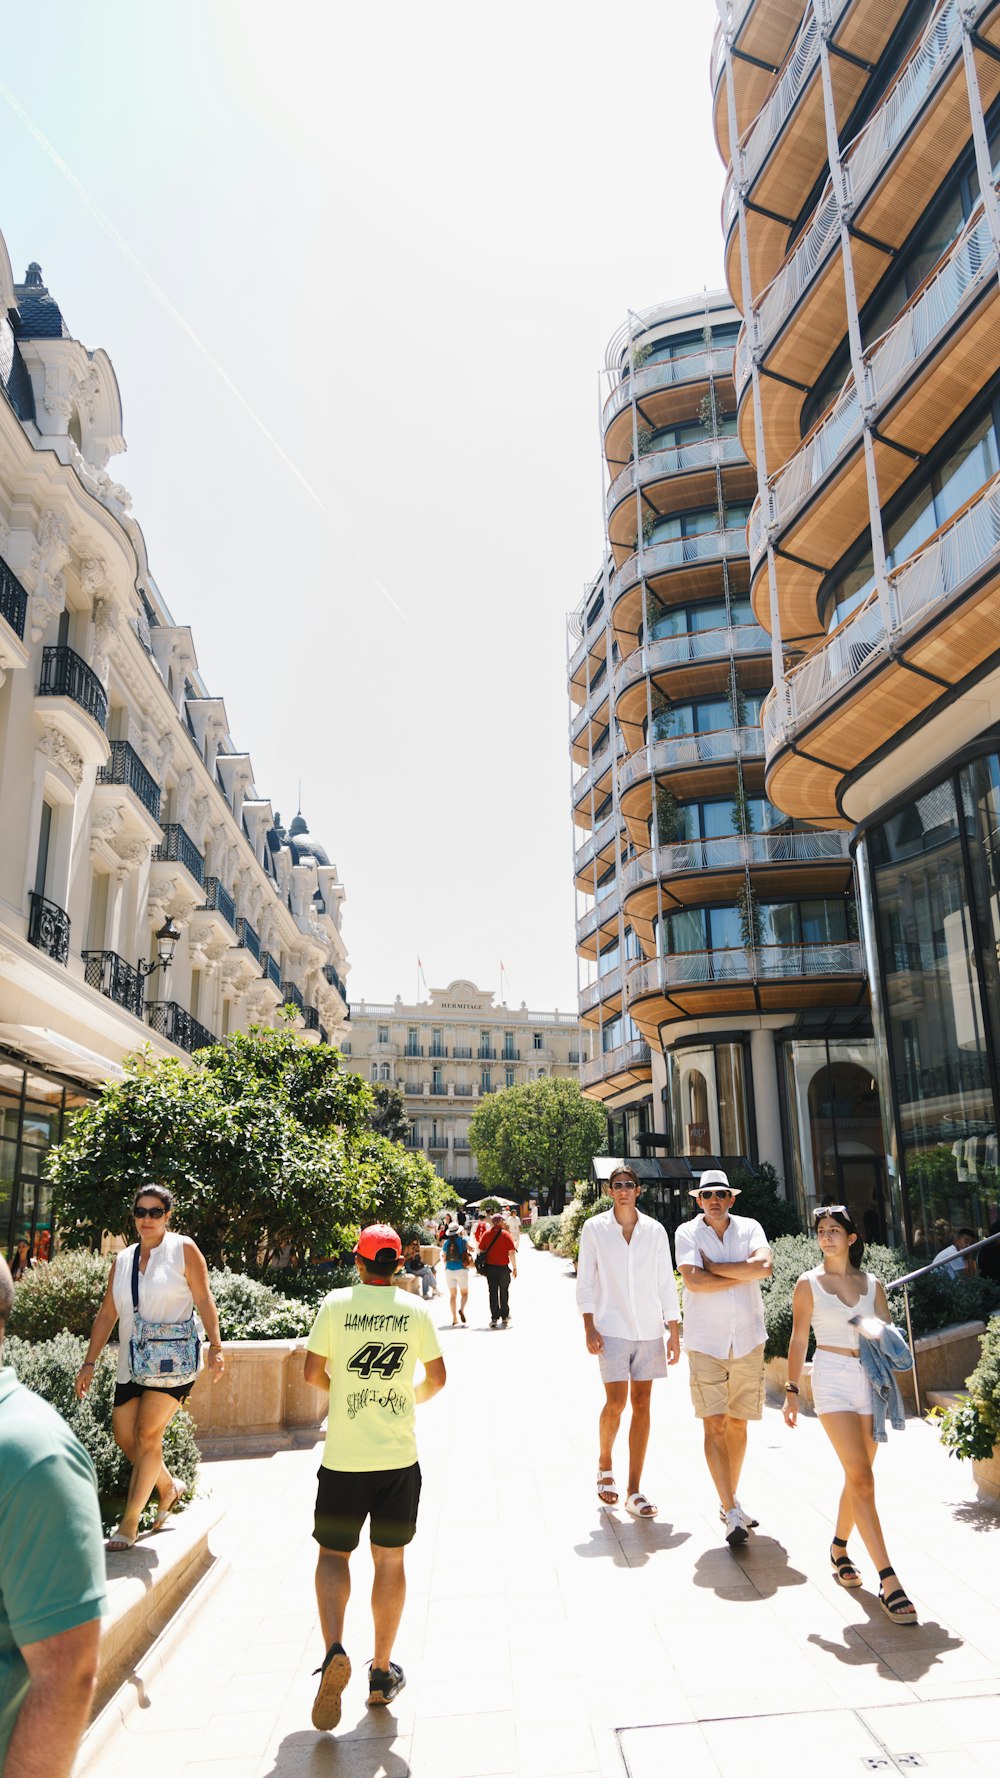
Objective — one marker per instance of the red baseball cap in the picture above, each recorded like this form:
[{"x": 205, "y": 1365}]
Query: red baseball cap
[{"x": 379, "y": 1242}]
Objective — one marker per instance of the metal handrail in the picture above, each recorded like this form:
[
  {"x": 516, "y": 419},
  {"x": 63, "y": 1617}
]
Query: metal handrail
[{"x": 909, "y": 1278}]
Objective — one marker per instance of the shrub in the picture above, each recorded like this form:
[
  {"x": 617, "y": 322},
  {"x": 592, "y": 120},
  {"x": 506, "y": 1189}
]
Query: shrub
[
  {"x": 543, "y": 1232},
  {"x": 251, "y": 1310},
  {"x": 49, "y": 1367},
  {"x": 567, "y": 1239},
  {"x": 972, "y": 1427},
  {"x": 59, "y": 1296},
  {"x": 310, "y": 1284},
  {"x": 794, "y": 1254}
]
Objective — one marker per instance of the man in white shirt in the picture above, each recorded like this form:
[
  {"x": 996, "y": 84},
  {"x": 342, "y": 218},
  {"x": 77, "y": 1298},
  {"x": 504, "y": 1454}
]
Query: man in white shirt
[
  {"x": 958, "y": 1267},
  {"x": 722, "y": 1259},
  {"x": 626, "y": 1293}
]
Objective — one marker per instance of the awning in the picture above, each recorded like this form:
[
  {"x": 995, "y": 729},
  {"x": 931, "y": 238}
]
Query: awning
[
  {"x": 659, "y": 1170},
  {"x": 37, "y": 1043}
]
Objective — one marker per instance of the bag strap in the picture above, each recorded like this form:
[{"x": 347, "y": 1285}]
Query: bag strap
[
  {"x": 135, "y": 1280},
  {"x": 493, "y": 1243}
]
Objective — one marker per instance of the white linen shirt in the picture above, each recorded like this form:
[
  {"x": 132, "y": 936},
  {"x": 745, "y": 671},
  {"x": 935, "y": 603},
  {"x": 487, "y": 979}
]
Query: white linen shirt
[
  {"x": 722, "y": 1323},
  {"x": 628, "y": 1286}
]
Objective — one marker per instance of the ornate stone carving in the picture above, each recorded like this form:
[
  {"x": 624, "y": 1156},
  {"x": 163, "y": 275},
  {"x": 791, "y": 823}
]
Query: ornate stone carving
[
  {"x": 106, "y": 623},
  {"x": 57, "y": 397},
  {"x": 93, "y": 575},
  {"x": 49, "y": 557},
  {"x": 132, "y": 852},
  {"x": 105, "y": 822},
  {"x": 55, "y": 746},
  {"x": 84, "y": 392}
]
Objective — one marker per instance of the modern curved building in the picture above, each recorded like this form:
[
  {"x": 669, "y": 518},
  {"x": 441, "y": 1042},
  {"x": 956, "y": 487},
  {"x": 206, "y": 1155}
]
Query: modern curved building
[
  {"x": 723, "y": 976},
  {"x": 862, "y": 241}
]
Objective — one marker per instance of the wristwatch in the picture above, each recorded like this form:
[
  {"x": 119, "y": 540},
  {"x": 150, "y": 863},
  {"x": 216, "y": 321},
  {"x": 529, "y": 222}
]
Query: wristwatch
[{"x": 791, "y": 1389}]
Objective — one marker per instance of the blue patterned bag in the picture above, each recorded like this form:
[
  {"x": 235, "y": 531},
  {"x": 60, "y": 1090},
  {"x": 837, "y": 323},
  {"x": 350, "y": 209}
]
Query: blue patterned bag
[{"x": 161, "y": 1354}]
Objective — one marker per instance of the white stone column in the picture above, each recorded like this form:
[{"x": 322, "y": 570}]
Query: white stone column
[{"x": 767, "y": 1106}]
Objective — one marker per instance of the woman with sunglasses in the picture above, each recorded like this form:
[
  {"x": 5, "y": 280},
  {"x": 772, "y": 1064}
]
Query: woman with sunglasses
[
  {"x": 832, "y": 1299},
  {"x": 174, "y": 1281}
]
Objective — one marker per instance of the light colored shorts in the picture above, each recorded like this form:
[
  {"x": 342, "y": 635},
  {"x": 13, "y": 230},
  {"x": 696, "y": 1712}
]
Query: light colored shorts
[
  {"x": 840, "y": 1385},
  {"x": 638, "y": 1360},
  {"x": 457, "y": 1278},
  {"x": 733, "y": 1386}
]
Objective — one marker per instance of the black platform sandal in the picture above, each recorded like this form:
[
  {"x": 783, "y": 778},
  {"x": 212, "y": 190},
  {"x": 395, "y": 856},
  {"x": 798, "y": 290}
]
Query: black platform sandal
[
  {"x": 844, "y": 1569},
  {"x": 895, "y": 1604}
]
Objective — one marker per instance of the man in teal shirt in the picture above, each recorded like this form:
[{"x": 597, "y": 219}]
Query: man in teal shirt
[{"x": 52, "y": 1583}]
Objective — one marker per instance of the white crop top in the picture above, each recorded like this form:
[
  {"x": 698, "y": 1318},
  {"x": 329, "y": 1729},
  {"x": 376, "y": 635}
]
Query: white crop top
[{"x": 831, "y": 1319}]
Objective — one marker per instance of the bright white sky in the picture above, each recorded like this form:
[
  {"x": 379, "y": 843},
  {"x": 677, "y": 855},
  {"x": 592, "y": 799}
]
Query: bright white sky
[{"x": 406, "y": 234}]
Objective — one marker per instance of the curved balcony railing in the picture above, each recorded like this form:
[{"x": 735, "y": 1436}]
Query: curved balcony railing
[
  {"x": 970, "y": 265},
  {"x": 691, "y": 367},
  {"x": 598, "y": 915},
  {"x": 175, "y": 1023},
  {"x": 790, "y": 82},
  {"x": 605, "y": 988},
  {"x": 65, "y": 674},
  {"x": 126, "y": 768},
  {"x": 658, "y": 466},
  {"x": 765, "y": 963},
  {"x": 595, "y": 844},
  {"x": 677, "y": 552},
  {"x": 735, "y": 852},
  {"x": 595, "y": 772},
  {"x": 692, "y": 750},
  {"x": 112, "y": 976},
  {"x": 597, "y": 696},
  {"x": 692, "y": 645},
  {"x": 962, "y": 551},
  {"x": 736, "y": 12},
  {"x": 48, "y": 928},
  {"x": 634, "y": 1054}
]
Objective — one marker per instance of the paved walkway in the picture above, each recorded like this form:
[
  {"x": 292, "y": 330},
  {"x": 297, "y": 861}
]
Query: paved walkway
[{"x": 543, "y": 1638}]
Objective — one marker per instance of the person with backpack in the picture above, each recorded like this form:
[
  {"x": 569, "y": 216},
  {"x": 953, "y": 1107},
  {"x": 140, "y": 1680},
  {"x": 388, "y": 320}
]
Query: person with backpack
[{"x": 456, "y": 1271}]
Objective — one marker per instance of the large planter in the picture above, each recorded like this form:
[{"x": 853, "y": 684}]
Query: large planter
[
  {"x": 986, "y": 1475},
  {"x": 944, "y": 1360},
  {"x": 261, "y": 1401}
]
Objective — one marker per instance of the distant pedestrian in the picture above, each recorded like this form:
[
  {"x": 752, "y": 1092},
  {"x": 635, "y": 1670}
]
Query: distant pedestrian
[
  {"x": 52, "y": 1583},
  {"x": 455, "y": 1248},
  {"x": 22, "y": 1261},
  {"x": 833, "y": 1299},
  {"x": 481, "y": 1228},
  {"x": 418, "y": 1268},
  {"x": 627, "y": 1294},
  {"x": 950, "y": 1258},
  {"x": 500, "y": 1254},
  {"x": 512, "y": 1223},
  {"x": 363, "y": 1350},
  {"x": 722, "y": 1259},
  {"x": 166, "y": 1273}
]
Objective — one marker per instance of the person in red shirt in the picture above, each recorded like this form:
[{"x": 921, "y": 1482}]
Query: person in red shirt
[{"x": 500, "y": 1255}]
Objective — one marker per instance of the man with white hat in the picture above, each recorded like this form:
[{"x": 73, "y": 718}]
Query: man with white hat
[{"x": 722, "y": 1259}]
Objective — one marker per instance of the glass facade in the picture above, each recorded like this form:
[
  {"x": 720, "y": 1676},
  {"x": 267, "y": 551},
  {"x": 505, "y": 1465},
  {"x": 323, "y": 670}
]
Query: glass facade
[
  {"x": 931, "y": 874},
  {"x": 709, "y": 1110},
  {"x": 834, "y": 1143},
  {"x": 33, "y": 1110}
]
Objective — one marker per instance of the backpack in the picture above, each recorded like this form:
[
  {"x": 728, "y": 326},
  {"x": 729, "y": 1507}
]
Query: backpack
[{"x": 454, "y": 1248}]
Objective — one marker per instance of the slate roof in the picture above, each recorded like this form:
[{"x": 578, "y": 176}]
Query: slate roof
[{"x": 39, "y": 315}]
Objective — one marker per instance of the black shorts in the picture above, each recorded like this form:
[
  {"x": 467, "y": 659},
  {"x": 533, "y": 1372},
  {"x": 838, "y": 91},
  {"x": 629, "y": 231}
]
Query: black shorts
[
  {"x": 131, "y": 1392},
  {"x": 345, "y": 1498}
]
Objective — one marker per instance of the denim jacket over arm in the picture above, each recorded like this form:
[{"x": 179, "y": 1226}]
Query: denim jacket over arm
[{"x": 881, "y": 1357}]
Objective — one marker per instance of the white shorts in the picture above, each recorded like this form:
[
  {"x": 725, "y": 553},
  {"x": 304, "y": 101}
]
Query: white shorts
[
  {"x": 640, "y": 1360},
  {"x": 457, "y": 1280},
  {"x": 840, "y": 1385}
]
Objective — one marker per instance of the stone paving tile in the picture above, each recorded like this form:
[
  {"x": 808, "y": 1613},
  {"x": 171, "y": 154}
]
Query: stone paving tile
[{"x": 537, "y": 1625}]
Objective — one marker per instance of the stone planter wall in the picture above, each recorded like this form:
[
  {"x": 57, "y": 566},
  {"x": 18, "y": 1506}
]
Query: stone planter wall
[
  {"x": 986, "y": 1475},
  {"x": 944, "y": 1360},
  {"x": 260, "y": 1402}
]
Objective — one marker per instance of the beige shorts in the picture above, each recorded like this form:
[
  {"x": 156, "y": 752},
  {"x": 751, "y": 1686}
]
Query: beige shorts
[{"x": 733, "y": 1386}]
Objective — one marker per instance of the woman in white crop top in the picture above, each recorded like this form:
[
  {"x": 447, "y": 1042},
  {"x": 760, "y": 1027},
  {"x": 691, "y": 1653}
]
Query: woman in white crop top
[
  {"x": 830, "y": 1300},
  {"x": 173, "y": 1281}
]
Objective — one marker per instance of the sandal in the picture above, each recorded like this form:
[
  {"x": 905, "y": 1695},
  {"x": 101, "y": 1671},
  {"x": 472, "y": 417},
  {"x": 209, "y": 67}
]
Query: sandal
[
  {"x": 844, "y": 1569},
  {"x": 640, "y": 1507},
  {"x": 118, "y": 1542},
  {"x": 165, "y": 1510},
  {"x": 896, "y": 1604},
  {"x": 606, "y": 1487}
]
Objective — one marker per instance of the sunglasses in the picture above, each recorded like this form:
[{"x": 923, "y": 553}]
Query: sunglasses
[
  {"x": 142, "y": 1210},
  {"x": 624, "y": 1185},
  {"x": 715, "y": 1191},
  {"x": 830, "y": 1210}
]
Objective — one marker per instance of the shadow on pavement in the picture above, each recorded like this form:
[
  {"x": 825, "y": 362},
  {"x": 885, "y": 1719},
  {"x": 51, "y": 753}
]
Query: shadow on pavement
[
  {"x": 655, "y": 1535},
  {"x": 307, "y": 1754},
  {"x": 898, "y": 1651},
  {"x": 979, "y": 1515},
  {"x": 760, "y": 1565}
]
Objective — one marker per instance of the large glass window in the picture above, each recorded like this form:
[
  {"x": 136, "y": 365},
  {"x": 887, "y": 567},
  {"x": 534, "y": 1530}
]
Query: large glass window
[
  {"x": 834, "y": 1129},
  {"x": 706, "y": 716},
  {"x": 707, "y": 1087}
]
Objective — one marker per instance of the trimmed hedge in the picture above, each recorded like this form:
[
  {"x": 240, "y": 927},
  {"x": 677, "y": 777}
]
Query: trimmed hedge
[
  {"x": 61, "y": 1295},
  {"x": 544, "y": 1231},
  {"x": 972, "y": 1427},
  {"x": 49, "y": 1367}
]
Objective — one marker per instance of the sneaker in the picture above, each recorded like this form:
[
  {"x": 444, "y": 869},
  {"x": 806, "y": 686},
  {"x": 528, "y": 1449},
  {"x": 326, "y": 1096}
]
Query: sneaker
[
  {"x": 736, "y": 1531},
  {"x": 493, "y": 1324},
  {"x": 751, "y": 1524},
  {"x": 333, "y": 1677},
  {"x": 383, "y": 1687},
  {"x": 503, "y": 1320}
]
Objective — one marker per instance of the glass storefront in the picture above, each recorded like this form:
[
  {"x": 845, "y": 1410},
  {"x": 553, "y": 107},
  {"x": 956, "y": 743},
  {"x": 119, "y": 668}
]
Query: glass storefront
[
  {"x": 834, "y": 1141},
  {"x": 709, "y": 1111},
  {"x": 34, "y": 1107},
  {"x": 932, "y": 874}
]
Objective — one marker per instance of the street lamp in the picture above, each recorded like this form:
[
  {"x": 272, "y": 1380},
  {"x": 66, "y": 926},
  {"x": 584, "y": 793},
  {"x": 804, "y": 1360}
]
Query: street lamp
[{"x": 166, "y": 945}]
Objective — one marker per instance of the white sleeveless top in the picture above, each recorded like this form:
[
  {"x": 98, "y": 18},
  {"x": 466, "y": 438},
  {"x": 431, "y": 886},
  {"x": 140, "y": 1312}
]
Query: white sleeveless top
[
  {"x": 831, "y": 1318},
  {"x": 164, "y": 1294}
]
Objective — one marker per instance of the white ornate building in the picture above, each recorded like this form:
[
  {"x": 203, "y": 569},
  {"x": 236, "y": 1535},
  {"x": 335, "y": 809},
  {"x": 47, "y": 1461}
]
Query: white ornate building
[
  {"x": 124, "y": 799},
  {"x": 450, "y": 1051}
]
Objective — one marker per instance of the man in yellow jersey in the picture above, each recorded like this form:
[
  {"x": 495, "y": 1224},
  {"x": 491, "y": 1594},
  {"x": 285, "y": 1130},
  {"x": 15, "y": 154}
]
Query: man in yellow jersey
[{"x": 364, "y": 1347}]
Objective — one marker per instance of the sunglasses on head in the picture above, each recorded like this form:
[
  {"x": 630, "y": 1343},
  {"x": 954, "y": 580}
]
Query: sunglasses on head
[
  {"x": 153, "y": 1210},
  {"x": 830, "y": 1210},
  {"x": 715, "y": 1191}
]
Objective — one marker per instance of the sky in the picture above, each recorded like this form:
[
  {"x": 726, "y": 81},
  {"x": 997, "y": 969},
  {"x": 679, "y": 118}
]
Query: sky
[{"x": 356, "y": 269}]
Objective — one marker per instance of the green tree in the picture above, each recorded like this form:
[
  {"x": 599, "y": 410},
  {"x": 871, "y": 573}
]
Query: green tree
[
  {"x": 264, "y": 1140},
  {"x": 532, "y": 1140},
  {"x": 388, "y": 1114}
]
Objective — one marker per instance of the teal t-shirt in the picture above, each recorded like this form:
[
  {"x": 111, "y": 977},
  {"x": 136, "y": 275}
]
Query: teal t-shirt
[{"x": 51, "y": 1543}]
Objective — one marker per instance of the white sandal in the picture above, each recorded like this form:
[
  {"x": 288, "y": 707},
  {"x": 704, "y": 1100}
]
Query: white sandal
[
  {"x": 606, "y": 1485},
  {"x": 640, "y": 1507}
]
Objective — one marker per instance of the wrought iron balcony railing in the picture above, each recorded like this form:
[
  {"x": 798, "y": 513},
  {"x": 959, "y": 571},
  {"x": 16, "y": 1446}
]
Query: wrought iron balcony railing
[
  {"x": 125, "y": 767},
  {"x": 218, "y": 900},
  {"x": 293, "y": 996},
  {"x": 13, "y": 600},
  {"x": 174, "y": 1023},
  {"x": 116, "y": 979},
  {"x": 65, "y": 674},
  {"x": 311, "y": 1018},
  {"x": 48, "y": 928},
  {"x": 461, "y": 1053},
  {"x": 271, "y": 968},
  {"x": 177, "y": 847},
  {"x": 247, "y": 937}
]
